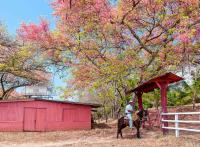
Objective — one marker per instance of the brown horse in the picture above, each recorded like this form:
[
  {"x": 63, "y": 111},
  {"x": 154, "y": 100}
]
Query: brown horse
[{"x": 124, "y": 122}]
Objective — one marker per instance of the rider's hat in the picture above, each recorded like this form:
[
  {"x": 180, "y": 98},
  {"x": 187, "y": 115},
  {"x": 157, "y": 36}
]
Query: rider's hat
[{"x": 130, "y": 101}]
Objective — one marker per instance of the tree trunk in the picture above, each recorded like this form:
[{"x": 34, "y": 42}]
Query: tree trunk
[
  {"x": 7, "y": 93},
  {"x": 157, "y": 105},
  {"x": 106, "y": 116},
  {"x": 193, "y": 102},
  {"x": 118, "y": 112}
]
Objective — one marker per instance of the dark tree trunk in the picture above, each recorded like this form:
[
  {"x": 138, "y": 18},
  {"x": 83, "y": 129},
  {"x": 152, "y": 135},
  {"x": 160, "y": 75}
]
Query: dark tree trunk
[{"x": 193, "y": 102}]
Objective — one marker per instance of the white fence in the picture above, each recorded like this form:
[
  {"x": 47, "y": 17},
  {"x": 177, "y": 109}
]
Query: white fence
[{"x": 177, "y": 121}]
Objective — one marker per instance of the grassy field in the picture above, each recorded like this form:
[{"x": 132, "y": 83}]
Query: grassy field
[{"x": 103, "y": 136}]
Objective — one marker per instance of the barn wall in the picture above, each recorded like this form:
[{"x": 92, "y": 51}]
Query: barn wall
[
  {"x": 18, "y": 116},
  {"x": 11, "y": 117}
]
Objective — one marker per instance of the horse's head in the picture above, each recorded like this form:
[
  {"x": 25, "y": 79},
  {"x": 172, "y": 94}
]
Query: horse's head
[{"x": 143, "y": 114}]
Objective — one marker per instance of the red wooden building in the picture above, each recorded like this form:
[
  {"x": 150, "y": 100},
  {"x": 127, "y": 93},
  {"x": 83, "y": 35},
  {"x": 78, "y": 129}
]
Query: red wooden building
[{"x": 44, "y": 115}]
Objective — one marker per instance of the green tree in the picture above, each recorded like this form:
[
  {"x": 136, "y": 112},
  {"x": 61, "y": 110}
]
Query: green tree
[{"x": 19, "y": 65}]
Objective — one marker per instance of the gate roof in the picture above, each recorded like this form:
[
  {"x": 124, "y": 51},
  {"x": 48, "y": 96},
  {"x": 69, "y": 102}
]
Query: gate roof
[{"x": 151, "y": 84}]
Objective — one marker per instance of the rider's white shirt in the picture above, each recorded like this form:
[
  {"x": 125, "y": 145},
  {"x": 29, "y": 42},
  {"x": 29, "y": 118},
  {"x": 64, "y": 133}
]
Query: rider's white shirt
[{"x": 128, "y": 108}]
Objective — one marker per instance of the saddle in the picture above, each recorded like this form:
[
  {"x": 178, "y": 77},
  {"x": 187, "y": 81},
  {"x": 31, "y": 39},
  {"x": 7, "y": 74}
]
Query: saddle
[
  {"x": 125, "y": 117},
  {"x": 134, "y": 116}
]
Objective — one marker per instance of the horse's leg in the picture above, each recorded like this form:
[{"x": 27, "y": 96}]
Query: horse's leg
[
  {"x": 137, "y": 126},
  {"x": 118, "y": 131},
  {"x": 118, "y": 128},
  {"x": 138, "y": 133}
]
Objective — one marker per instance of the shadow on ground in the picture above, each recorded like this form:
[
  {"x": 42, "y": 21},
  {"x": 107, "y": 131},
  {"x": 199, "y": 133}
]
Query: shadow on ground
[{"x": 101, "y": 126}]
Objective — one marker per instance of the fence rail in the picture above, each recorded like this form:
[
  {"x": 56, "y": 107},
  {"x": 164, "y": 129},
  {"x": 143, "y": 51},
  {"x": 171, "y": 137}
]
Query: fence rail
[{"x": 177, "y": 121}]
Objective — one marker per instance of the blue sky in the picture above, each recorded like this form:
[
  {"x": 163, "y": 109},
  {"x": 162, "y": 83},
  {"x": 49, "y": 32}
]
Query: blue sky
[{"x": 14, "y": 12}]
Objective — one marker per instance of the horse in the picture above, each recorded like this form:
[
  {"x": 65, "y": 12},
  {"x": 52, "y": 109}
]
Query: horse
[{"x": 124, "y": 122}]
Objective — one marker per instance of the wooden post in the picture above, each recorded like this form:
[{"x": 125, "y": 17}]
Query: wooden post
[
  {"x": 163, "y": 92},
  {"x": 139, "y": 96},
  {"x": 176, "y": 125}
]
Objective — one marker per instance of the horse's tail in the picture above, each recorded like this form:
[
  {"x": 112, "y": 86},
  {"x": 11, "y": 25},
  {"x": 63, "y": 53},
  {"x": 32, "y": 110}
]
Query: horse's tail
[{"x": 120, "y": 123}]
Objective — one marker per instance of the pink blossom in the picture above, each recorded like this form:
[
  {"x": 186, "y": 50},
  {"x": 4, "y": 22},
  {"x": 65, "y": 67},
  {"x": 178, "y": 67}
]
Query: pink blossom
[
  {"x": 183, "y": 38},
  {"x": 33, "y": 32}
]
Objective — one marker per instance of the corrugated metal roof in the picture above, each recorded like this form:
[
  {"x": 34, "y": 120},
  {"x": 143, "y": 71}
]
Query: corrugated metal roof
[{"x": 93, "y": 105}]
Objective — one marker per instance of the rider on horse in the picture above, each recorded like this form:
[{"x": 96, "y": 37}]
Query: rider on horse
[
  {"x": 129, "y": 110},
  {"x": 132, "y": 119}
]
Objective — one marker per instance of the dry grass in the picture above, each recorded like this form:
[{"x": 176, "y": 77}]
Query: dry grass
[{"x": 99, "y": 137}]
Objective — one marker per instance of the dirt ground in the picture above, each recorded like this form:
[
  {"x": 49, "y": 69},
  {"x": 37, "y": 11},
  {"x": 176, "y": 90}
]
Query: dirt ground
[{"x": 102, "y": 136}]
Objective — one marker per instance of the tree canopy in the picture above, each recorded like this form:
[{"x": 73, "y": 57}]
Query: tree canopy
[
  {"x": 103, "y": 41},
  {"x": 118, "y": 45},
  {"x": 19, "y": 65}
]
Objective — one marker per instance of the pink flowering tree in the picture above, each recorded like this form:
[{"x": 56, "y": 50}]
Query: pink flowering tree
[{"x": 106, "y": 42}]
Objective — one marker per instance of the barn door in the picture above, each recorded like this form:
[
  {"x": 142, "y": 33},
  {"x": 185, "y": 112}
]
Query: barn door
[
  {"x": 29, "y": 119},
  {"x": 34, "y": 119},
  {"x": 69, "y": 115},
  {"x": 40, "y": 119}
]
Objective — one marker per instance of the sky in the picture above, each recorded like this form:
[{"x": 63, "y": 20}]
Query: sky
[{"x": 14, "y": 12}]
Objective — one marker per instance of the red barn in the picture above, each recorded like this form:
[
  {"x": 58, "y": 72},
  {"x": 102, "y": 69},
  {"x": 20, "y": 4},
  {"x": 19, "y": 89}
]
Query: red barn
[{"x": 44, "y": 115}]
